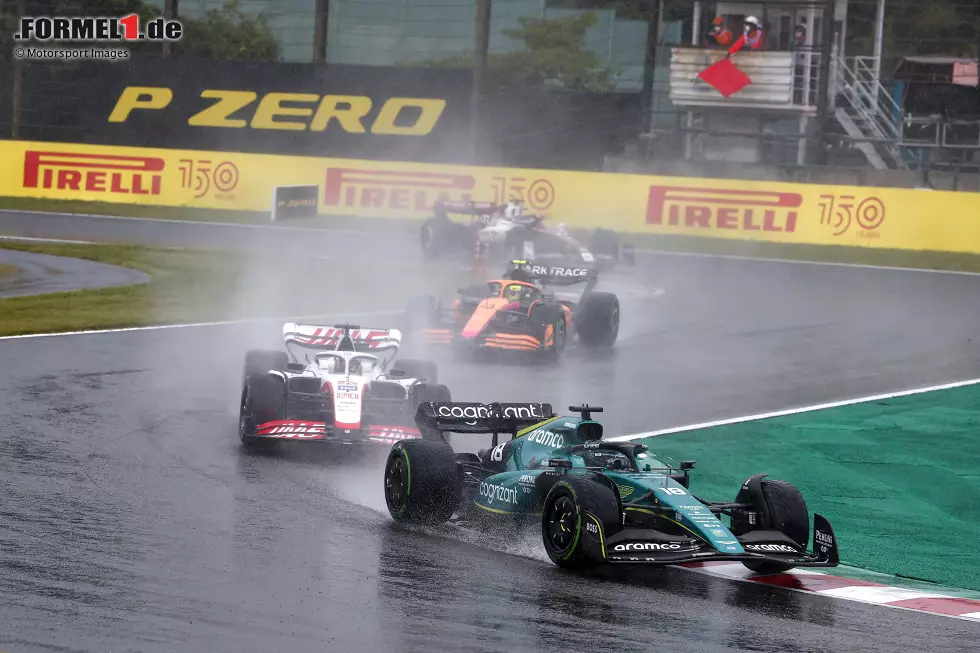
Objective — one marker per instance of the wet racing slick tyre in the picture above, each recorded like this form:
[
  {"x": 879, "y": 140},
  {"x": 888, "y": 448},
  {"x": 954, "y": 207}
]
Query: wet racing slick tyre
[
  {"x": 605, "y": 242},
  {"x": 541, "y": 318},
  {"x": 263, "y": 400},
  {"x": 260, "y": 361},
  {"x": 598, "y": 320},
  {"x": 425, "y": 392},
  {"x": 788, "y": 514},
  {"x": 415, "y": 368},
  {"x": 432, "y": 237},
  {"x": 421, "y": 482},
  {"x": 577, "y": 516}
]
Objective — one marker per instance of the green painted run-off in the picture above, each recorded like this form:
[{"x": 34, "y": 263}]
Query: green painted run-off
[{"x": 899, "y": 479}]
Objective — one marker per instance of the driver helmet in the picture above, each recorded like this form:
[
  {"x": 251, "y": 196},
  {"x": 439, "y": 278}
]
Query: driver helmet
[
  {"x": 514, "y": 292},
  {"x": 355, "y": 367},
  {"x": 513, "y": 209},
  {"x": 331, "y": 364}
]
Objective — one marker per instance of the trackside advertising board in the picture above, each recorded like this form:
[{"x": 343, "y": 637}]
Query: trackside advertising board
[
  {"x": 739, "y": 210},
  {"x": 295, "y": 202}
]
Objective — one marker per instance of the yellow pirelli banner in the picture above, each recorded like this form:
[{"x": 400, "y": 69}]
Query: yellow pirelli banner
[{"x": 740, "y": 210}]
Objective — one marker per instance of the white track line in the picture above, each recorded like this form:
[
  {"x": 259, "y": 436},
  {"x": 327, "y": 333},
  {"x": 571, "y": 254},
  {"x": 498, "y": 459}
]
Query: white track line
[
  {"x": 206, "y": 223},
  {"x": 793, "y": 411},
  {"x": 50, "y": 240},
  {"x": 763, "y": 259},
  {"x": 196, "y": 325}
]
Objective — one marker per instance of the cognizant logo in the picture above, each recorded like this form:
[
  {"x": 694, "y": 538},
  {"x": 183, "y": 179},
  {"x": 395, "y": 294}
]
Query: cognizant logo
[
  {"x": 483, "y": 411},
  {"x": 498, "y": 493}
]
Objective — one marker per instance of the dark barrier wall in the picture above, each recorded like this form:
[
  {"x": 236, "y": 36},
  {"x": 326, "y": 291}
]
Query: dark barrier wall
[{"x": 385, "y": 113}]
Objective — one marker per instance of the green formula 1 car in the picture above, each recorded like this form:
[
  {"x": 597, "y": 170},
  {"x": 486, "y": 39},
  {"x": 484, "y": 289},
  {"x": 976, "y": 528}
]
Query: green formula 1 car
[{"x": 598, "y": 501}]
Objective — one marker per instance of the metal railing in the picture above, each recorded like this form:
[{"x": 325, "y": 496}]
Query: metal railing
[
  {"x": 870, "y": 111},
  {"x": 940, "y": 132},
  {"x": 861, "y": 75}
]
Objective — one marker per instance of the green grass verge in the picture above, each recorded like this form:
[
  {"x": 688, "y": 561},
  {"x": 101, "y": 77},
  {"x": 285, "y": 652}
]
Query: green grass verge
[
  {"x": 666, "y": 243},
  {"x": 189, "y": 286},
  {"x": 899, "y": 479},
  {"x": 7, "y": 270}
]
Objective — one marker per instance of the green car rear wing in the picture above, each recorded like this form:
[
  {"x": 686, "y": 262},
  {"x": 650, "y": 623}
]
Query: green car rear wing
[{"x": 435, "y": 418}]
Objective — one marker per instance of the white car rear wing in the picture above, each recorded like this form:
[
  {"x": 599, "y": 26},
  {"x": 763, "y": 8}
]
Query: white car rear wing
[{"x": 327, "y": 338}]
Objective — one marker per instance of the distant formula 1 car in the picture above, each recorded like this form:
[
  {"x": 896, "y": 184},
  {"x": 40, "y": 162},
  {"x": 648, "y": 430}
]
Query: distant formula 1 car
[
  {"x": 507, "y": 232},
  {"x": 520, "y": 313},
  {"x": 597, "y": 501},
  {"x": 345, "y": 391}
]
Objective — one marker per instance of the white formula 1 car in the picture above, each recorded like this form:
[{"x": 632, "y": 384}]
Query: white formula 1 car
[
  {"x": 344, "y": 389},
  {"x": 509, "y": 232}
]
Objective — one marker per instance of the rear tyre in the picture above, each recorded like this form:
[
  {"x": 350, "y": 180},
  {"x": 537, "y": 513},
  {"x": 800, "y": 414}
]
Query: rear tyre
[
  {"x": 432, "y": 237},
  {"x": 598, "y": 320},
  {"x": 788, "y": 514},
  {"x": 415, "y": 368},
  {"x": 421, "y": 482},
  {"x": 263, "y": 400},
  {"x": 605, "y": 242},
  {"x": 424, "y": 392},
  {"x": 577, "y": 516}
]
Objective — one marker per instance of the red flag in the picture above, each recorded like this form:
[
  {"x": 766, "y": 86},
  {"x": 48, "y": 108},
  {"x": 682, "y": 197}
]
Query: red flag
[{"x": 726, "y": 77}]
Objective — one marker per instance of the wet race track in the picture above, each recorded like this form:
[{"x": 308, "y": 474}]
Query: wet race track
[{"x": 132, "y": 521}]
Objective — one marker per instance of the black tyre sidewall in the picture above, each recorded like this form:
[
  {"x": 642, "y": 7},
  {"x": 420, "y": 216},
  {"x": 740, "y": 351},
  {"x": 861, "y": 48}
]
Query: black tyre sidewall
[
  {"x": 789, "y": 515},
  {"x": 260, "y": 361},
  {"x": 787, "y": 510},
  {"x": 263, "y": 400},
  {"x": 550, "y": 314},
  {"x": 596, "y": 327},
  {"x": 432, "y": 237},
  {"x": 595, "y": 503},
  {"x": 434, "y": 487}
]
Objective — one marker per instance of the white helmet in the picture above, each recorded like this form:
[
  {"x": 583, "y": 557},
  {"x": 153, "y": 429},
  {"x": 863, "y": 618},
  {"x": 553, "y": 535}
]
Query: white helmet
[
  {"x": 752, "y": 20},
  {"x": 513, "y": 210}
]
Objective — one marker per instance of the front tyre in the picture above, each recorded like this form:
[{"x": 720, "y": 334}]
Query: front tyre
[
  {"x": 549, "y": 320},
  {"x": 263, "y": 400},
  {"x": 262, "y": 361},
  {"x": 421, "y": 482},
  {"x": 598, "y": 320},
  {"x": 787, "y": 513},
  {"x": 577, "y": 517}
]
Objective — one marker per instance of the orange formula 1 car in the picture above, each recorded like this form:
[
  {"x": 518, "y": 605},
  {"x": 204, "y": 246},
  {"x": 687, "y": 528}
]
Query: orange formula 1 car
[{"x": 519, "y": 313}]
